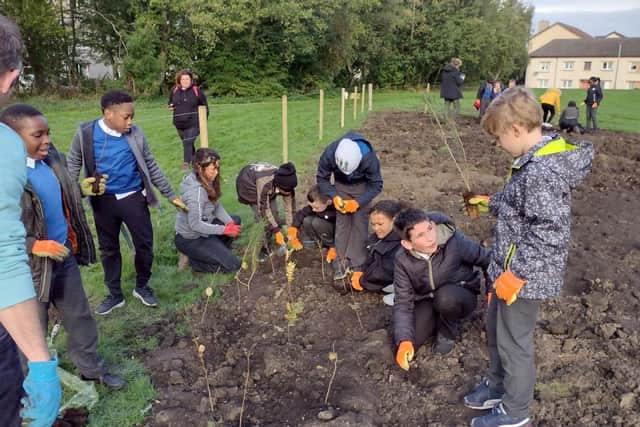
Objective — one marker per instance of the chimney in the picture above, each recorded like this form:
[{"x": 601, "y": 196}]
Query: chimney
[{"x": 542, "y": 25}]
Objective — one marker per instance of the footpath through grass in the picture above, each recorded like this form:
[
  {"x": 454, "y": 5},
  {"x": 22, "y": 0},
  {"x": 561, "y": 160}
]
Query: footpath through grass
[{"x": 241, "y": 132}]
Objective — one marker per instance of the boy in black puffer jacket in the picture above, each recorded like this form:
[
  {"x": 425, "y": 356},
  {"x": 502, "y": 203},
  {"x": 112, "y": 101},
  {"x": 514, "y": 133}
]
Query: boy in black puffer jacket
[{"x": 435, "y": 282}]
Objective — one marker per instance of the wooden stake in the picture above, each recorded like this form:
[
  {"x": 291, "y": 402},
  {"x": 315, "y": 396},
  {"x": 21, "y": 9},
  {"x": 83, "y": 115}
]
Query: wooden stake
[
  {"x": 285, "y": 141},
  {"x": 202, "y": 123},
  {"x": 341, "y": 107},
  {"x": 370, "y": 96},
  {"x": 321, "y": 115},
  {"x": 428, "y": 87},
  {"x": 362, "y": 102},
  {"x": 355, "y": 103}
]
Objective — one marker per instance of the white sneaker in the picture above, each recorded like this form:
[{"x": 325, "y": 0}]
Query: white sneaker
[
  {"x": 389, "y": 299},
  {"x": 388, "y": 289}
]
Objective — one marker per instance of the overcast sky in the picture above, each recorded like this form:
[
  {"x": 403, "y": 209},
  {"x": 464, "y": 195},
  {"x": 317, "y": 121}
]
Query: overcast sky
[{"x": 596, "y": 17}]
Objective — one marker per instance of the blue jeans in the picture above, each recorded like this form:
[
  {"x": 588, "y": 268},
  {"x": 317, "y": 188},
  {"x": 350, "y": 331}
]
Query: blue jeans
[{"x": 11, "y": 378}]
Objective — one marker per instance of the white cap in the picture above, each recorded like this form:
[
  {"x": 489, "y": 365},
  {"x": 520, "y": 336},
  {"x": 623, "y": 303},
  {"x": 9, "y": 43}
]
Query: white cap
[{"x": 348, "y": 156}]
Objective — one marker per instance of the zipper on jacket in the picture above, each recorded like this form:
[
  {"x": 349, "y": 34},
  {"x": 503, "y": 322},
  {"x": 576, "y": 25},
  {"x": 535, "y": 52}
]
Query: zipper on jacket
[{"x": 511, "y": 251}]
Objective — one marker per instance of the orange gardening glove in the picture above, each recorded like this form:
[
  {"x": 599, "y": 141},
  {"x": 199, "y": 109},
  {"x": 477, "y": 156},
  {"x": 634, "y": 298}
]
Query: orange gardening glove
[
  {"x": 279, "y": 238},
  {"x": 292, "y": 237},
  {"x": 355, "y": 280},
  {"x": 338, "y": 203},
  {"x": 594, "y": 105},
  {"x": 404, "y": 355},
  {"x": 350, "y": 206},
  {"x": 50, "y": 248},
  {"x": 178, "y": 203},
  {"x": 476, "y": 104},
  {"x": 481, "y": 201},
  {"x": 507, "y": 286},
  {"x": 331, "y": 254}
]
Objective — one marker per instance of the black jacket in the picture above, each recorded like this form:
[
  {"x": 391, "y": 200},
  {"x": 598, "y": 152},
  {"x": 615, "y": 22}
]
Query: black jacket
[
  {"x": 368, "y": 171},
  {"x": 185, "y": 106},
  {"x": 450, "y": 83},
  {"x": 378, "y": 268},
  {"x": 328, "y": 214},
  {"x": 594, "y": 94},
  {"x": 416, "y": 278}
]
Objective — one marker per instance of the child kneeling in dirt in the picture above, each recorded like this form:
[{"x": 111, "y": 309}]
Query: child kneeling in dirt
[
  {"x": 436, "y": 284},
  {"x": 258, "y": 184},
  {"x": 569, "y": 119},
  {"x": 530, "y": 245},
  {"x": 355, "y": 168},
  {"x": 316, "y": 223},
  {"x": 205, "y": 232},
  {"x": 383, "y": 243}
]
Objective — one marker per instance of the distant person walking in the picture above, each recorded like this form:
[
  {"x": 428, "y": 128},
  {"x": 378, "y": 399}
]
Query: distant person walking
[
  {"x": 592, "y": 101},
  {"x": 184, "y": 100},
  {"x": 450, "y": 83}
]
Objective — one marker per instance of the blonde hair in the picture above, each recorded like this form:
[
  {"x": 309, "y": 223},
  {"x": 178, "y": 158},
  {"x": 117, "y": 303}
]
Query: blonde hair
[
  {"x": 456, "y": 62},
  {"x": 515, "y": 106}
]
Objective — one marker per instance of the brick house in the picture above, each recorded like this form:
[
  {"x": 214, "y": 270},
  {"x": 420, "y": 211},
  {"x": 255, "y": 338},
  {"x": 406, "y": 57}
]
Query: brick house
[{"x": 564, "y": 56}]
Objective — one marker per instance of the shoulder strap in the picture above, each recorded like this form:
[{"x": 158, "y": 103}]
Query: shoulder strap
[
  {"x": 87, "y": 150},
  {"x": 195, "y": 90}
]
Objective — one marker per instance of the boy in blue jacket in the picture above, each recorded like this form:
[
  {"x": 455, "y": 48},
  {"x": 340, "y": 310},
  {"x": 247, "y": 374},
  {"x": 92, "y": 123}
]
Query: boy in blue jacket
[
  {"x": 529, "y": 256},
  {"x": 355, "y": 168}
]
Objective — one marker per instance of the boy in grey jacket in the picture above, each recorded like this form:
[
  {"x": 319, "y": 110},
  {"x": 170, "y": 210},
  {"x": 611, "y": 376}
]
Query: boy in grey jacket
[
  {"x": 529, "y": 256},
  {"x": 119, "y": 172}
]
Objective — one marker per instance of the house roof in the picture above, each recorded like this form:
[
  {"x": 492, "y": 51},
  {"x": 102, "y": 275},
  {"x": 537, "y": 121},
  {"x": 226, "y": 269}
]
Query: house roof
[
  {"x": 577, "y": 31},
  {"x": 592, "y": 47}
]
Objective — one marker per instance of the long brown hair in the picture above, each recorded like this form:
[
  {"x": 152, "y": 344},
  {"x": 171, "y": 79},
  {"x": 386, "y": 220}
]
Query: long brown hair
[
  {"x": 204, "y": 157},
  {"x": 181, "y": 73}
]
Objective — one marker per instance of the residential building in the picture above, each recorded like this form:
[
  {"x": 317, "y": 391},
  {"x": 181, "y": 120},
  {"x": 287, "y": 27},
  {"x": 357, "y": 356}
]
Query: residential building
[{"x": 563, "y": 56}]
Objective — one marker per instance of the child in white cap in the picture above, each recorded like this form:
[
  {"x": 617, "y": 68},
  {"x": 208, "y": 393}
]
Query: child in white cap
[{"x": 355, "y": 168}]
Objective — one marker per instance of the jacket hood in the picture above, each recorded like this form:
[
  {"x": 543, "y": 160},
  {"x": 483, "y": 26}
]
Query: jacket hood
[
  {"x": 570, "y": 161},
  {"x": 189, "y": 183},
  {"x": 449, "y": 68}
]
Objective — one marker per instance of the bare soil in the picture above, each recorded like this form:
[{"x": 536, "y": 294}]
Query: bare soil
[{"x": 263, "y": 371}]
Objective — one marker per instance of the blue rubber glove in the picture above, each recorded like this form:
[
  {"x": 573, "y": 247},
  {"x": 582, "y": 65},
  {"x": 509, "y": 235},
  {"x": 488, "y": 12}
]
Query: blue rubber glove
[{"x": 43, "y": 393}]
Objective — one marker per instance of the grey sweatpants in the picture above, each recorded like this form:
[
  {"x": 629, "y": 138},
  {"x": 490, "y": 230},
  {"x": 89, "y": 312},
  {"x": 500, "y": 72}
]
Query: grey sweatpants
[
  {"x": 352, "y": 229},
  {"x": 512, "y": 369}
]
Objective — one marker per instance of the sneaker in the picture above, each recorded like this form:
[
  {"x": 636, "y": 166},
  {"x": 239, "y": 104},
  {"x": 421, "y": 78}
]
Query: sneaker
[
  {"x": 108, "y": 304},
  {"x": 389, "y": 299},
  {"x": 443, "y": 345},
  {"x": 388, "y": 289},
  {"x": 145, "y": 295},
  {"x": 498, "y": 417},
  {"x": 481, "y": 397},
  {"x": 111, "y": 381}
]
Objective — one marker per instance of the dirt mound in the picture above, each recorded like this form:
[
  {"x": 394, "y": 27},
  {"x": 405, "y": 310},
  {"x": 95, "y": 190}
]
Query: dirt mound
[{"x": 268, "y": 372}]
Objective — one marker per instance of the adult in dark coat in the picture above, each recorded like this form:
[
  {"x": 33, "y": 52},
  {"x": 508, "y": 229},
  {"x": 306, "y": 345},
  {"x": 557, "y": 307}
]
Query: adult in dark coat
[
  {"x": 450, "y": 83},
  {"x": 592, "y": 101}
]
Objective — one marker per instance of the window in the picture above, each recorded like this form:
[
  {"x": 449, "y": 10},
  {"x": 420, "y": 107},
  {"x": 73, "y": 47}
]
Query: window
[
  {"x": 587, "y": 65},
  {"x": 633, "y": 67},
  {"x": 607, "y": 65},
  {"x": 543, "y": 83},
  {"x": 567, "y": 84},
  {"x": 568, "y": 65},
  {"x": 606, "y": 84},
  {"x": 545, "y": 66}
]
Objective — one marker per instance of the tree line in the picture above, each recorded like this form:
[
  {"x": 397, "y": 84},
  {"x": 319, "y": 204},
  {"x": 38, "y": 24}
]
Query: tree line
[{"x": 267, "y": 47}]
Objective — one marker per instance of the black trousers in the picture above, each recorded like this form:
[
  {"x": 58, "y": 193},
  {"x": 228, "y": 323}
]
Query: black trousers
[
  {"x": 188, "y": 137},
  {"x": 210, "y": 254},
  {"x": 319, "y": 230},
  {"x": 548, "y": 110},
  {"x": 442, "y": 314},
  {"x": 67, "y": 295},
  {"x": 11, "y": 378},
  {"x": 109, "y": 215}
]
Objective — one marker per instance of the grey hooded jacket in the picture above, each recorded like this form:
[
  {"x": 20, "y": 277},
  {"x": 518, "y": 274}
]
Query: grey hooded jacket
[
  {"x": 197, "y": 222},
  {"x": 79, "y": 156},
  {"x": 531, "y": 234}
]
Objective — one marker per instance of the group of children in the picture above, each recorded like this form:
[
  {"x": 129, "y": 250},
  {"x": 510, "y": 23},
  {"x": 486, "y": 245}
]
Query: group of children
[
  {"x": 429, "y": 269},
  {"x": 569, "y": 117}
]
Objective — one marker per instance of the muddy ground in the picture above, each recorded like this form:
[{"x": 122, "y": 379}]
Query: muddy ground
[{"x": 588, "y": 349}]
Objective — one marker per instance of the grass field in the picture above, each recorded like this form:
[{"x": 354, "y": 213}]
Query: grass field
[{"x": 241, "y": 132}]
